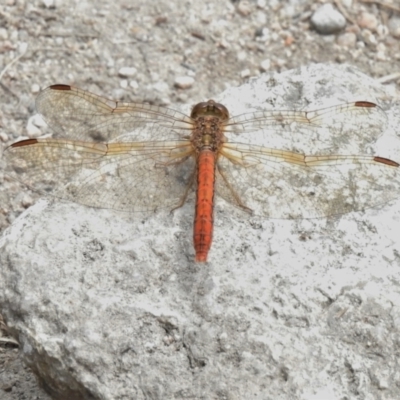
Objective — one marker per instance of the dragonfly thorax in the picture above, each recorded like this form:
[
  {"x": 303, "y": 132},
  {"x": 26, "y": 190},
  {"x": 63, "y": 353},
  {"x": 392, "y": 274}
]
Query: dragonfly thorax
[{"x": 208, "y": 133}]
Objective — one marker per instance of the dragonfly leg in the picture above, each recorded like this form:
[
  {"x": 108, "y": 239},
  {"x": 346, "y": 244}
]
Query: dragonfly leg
[
  {"x": 185, "y": 195},
  {"x": 234, "y": 194},
  {"x": 172, "y": 162}
]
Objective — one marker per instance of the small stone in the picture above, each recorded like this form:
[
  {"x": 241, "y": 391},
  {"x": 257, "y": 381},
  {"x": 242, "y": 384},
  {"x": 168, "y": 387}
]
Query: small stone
[
  {"x": 38, "y": 120},
  {"x": 161, "y": 87},
  {"x": 289, "y": 40},
  {"x": 27, "y": 201},
  {"x": 244, "y": 8},
  {"x": 127, "y": 71},
  {"x": 33, "y": 126},
  {"x": 3, "y": 137},
  {"x": 367, "y": 21},
  {"x": 381, "y": 52},
  {"x": 35, "y": 88},
  {"x": 261, "y": 4},
  {"x": 183, "y": 82},
  {"x": 32, "y": 130},
  {"x": 347, "y": 3},
  {"x": 245, "y": 73},
  {"x": 394, "y": 26},
  {"x": 242, "y": 55},
  {"x": 348, "y": 39},
  {"x": 134, "y": 84},
  {"x": 48, "y": 3},
  {"x": 3, "y": 34},
  {"x": 369, "y": 37},
  {"x": 265, "y": 65},
  {"x": 123, "y": 83},
  {"x": 327, "y": 20}
]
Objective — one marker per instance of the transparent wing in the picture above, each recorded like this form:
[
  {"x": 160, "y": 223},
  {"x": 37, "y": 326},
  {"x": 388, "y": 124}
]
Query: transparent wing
[
  {"x": 137, "y": 157},
  {"x": 76, "y": 114},
  {"x": 138, "y": 177},
  {"x": 284, "y": 184},
  {"x": 346, "y": 127}
]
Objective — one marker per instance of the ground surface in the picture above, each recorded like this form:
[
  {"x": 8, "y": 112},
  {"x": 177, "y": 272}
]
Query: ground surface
[{"x": 218, "y": 44}]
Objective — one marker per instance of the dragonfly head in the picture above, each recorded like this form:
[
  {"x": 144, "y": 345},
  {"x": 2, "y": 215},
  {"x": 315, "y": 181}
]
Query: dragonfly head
[{"x": 210, "y": 108}]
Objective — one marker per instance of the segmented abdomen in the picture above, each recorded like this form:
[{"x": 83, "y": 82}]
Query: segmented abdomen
[{"x": 203, "y": 220}]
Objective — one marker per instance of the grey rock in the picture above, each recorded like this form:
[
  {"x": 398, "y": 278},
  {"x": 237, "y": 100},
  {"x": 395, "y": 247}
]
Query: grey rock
[
  {"x": 110, "y": 306},
  {"x": 327, "y": 20},
  {"x": 394, "y": 26}
]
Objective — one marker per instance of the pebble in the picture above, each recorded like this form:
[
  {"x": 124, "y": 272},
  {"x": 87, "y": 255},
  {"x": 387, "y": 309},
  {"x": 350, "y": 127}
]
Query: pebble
[
  {"x": 35, "y": 122},
  {"x": 3, "y": 137},
  {"x": 244, "y": 8},
  {"x": 183, "y": 82},
  {"x": 369, "y": 37},
  {"x": 48, "y": 3},
  {"x": 35, "y": 88},
  {"x": 27, "y": 201},
  {"x": 242, "y": 55},
  {"x": 381, "y": 52},
  {"x": 134, "y": 84},
  {"x": 261, "y": 4},
  {"x": 367, "y": 21},
  {"x": 245, "y": 73},
  {"x": 394, "y": 26},
  {"x": 347, "y": 39},
  {"x": 326, "y": 20},
  {"x": 161, "y": 87},
  {"x": 265, "y": 65},
  {"x": 347, "y": 3},
  {"x": 32, "y": 130},
  {"x": 3, "y": 34},
  {"x": 127, "y": 71}
]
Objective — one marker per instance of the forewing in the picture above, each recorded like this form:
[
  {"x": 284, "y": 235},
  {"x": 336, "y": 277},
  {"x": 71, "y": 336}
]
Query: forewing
[
  {"x": 344, "y": 128},
  {"x": 138, "y": 177},
  {"x": 75, "y": 113}
]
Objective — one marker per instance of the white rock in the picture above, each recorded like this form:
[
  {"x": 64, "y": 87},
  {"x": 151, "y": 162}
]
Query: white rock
[
  {"x": 134, "y": 84},
  {"x": 244, "y": 8},
  {"x": 35, "y": 88},
  {"x": 245, "y": 73},
  {"x": 184, "y": 82},
  {"x": 3, "y": 34},
  {"x": 35, "y": 122},
  {"x": 48, "y": 3},
  {"x": 113, "y": 305},
  {"x": 3, "y": 136},
  {"x": 265, "y": 65},
  {"x": 27, "y": 201},
  {"x": 127, "y": 72}
]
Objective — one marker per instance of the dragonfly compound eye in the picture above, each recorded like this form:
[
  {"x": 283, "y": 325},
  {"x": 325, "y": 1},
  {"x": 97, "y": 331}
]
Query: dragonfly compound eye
[{"x": 210, "y": 108}]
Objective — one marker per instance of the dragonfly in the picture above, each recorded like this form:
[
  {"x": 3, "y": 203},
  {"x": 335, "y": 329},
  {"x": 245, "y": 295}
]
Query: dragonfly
[{"x": 139, "y": 157}]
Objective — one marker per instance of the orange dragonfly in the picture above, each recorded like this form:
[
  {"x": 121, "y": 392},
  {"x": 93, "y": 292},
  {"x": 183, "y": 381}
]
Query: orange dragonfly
[{"x": 141, "y": 158}]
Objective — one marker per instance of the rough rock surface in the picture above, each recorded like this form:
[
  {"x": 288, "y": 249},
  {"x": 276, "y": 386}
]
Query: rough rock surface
[{"x": 111, "y": 306}]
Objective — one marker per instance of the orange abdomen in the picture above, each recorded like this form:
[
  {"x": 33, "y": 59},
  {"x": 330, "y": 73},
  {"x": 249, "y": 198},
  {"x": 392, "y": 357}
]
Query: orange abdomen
[{"x": 203, "y": 219}]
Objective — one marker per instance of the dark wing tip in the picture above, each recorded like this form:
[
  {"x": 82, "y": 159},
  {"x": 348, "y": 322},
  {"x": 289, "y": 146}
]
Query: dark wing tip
[
  {"x": 26, "y": 142},
  {"x": 60, "y": 87},
  {"x": 386, "y": 161},
  {"x": 366, "y": 104}
]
